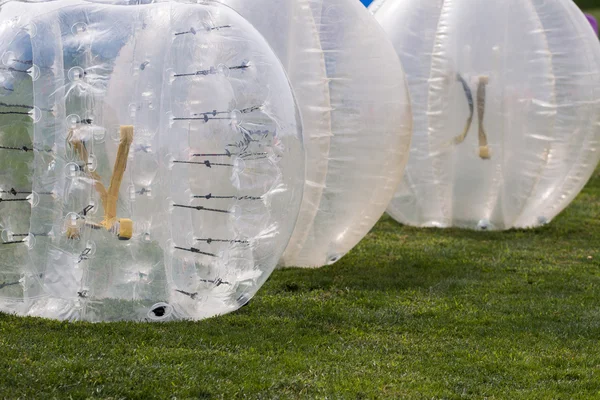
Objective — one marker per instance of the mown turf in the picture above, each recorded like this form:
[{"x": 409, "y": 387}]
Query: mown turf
[
  {"x": 408, "y": 314},
  {"x": 419, "y": 314}
]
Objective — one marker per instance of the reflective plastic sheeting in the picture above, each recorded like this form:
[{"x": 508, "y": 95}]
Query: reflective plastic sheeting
[
  {"x": 506, "y": 104},
  {"x": 152, "y": 157},
  {"x": 356, "y": 112}
]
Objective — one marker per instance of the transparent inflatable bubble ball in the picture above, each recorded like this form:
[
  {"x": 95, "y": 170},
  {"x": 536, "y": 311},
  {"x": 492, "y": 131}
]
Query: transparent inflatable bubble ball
[
  {"x": 354, "y": 100},
  {"x": 152, "y": 164},
  {"x": 505, "y": 103}
]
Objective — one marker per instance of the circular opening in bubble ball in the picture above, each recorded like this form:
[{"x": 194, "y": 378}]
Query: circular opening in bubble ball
[
  {"x": 333, "y": 259},
  {"x": 483, "y": 225},
  {"x": 160, "y": 311}
]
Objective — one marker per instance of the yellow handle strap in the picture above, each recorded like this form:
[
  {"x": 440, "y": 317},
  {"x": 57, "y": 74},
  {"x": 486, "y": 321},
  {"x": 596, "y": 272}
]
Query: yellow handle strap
[
  {"x": 108, "y": 197},
  {"x": 110, "y": 210},
  {"x": 84, "y": 156},
  {"x": 484, "y": 150}
]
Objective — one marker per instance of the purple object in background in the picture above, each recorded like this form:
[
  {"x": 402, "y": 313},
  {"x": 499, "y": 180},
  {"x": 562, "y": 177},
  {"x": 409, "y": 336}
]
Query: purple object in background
[{"x": 593, "y": 22}]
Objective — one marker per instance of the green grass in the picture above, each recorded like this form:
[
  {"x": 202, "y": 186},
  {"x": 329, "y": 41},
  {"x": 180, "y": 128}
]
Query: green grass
[{"x": 409, "y": 313}]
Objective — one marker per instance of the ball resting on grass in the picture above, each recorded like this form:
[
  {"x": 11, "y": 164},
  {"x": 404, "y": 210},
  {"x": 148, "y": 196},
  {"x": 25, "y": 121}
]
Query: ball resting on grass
[
  {"x": 357, "y": 122},
  {"x": 506, "y": 109},
  {"x": 152, "y": 160}
]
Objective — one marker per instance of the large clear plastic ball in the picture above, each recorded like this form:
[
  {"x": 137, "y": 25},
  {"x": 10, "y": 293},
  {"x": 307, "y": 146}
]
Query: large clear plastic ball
[
  {"x": 354, "y": 100},
  {"x": 165, "y": 167},
  {"x": 505, "y": 101}
]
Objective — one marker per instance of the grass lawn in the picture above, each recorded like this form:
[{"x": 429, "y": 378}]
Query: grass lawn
[
  {"x": 408, "y": 314},
  {"x": 420, "y": 314}
]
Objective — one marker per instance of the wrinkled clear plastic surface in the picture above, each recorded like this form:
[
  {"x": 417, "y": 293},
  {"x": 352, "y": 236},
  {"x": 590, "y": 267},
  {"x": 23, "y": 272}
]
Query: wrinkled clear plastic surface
[
  {"x": 356, "y": 111},
  {"x": 506, "y": 109},
  {"x": 152, "y": 160}
]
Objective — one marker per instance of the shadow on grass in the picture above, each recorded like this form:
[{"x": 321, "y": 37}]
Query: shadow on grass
[{"x": 394, "y": 257}]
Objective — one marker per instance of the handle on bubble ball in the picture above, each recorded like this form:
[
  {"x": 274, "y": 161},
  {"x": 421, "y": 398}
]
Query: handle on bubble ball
[
  {"x": 110, "y": 210},
  {"x": 125, "y": 231},
  {"x": 122, "y": 227},
  {"x": 484, "y": 150},
  {"x": 83, "y": 154},
  {"x": 469, "y": 95}
]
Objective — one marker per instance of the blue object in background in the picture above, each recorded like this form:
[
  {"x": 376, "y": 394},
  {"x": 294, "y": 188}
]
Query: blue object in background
[{"x": 366, "y": 2}]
